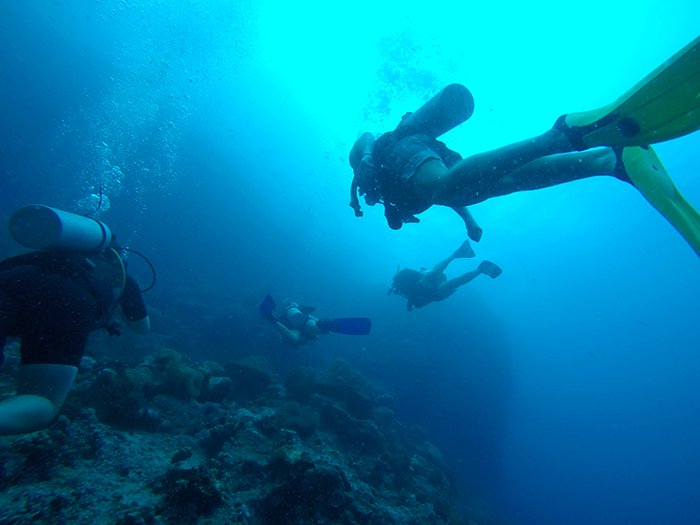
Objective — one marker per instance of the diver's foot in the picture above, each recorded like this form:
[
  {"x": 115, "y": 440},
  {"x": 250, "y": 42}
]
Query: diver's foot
[
  {"x": 465, "y": 251},
  {"x": 573, "y": 134},
  {"x": 620, "y": 171},
  {"x": 576, "y": 134}
]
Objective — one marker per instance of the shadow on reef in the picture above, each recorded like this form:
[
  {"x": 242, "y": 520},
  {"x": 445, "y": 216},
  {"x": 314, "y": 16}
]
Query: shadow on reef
[{"x": 173, "y": 441}]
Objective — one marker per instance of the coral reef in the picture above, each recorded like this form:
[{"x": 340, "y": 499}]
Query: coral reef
[{"x": 171, "y": 441}]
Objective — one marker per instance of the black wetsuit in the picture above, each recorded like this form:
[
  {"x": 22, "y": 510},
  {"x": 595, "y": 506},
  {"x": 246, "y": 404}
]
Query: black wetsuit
[{"x": 52, "y": 300}]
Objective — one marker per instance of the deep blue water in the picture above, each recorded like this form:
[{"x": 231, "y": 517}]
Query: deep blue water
[{"x": 563, "y": 392}]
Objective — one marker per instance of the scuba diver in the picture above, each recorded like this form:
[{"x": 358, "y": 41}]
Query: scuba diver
[
  {"x": 424, "y": 287},
  {"x": 297, "y": 326},
  {"x": 51, "y": 299},
  {"x": 408, "y": 170}
]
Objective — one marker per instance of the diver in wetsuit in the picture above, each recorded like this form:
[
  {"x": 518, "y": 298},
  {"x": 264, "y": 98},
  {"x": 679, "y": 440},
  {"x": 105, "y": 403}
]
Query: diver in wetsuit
[
  {"x": 51, "y": 300},
  {"x": 297, "y": 326}
]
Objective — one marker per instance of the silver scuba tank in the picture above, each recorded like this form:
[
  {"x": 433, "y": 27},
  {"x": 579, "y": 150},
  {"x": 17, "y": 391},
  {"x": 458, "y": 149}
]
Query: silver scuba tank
[{"x": 39, "y": 226}]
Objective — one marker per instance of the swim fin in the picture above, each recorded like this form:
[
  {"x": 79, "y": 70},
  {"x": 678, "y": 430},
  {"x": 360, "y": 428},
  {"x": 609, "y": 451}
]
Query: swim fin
[
  {"x": 465, "y": 251},
  {"x": 665, "y": 105},
  {"x": 490, "y": 269},
  {"x": 644, "y": 168},
  {"x": 267, "y": 306},
  {"x": 348, "y": 325}
]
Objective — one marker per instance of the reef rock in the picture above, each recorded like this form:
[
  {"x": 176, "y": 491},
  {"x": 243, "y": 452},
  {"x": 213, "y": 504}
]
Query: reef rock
[{"x": 161, "y": 442}]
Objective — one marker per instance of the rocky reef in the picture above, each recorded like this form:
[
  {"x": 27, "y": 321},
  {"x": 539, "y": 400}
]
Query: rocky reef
[{"x": 169, "y": 440}]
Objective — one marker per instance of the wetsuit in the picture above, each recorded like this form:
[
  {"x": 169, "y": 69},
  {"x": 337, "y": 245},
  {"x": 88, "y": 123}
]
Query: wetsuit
[{"x": 52, "y": 300}]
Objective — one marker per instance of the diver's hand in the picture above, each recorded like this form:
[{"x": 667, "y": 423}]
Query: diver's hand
[
  {"x": 474, "y": 231},
  {"x": 365, "y": 169}
]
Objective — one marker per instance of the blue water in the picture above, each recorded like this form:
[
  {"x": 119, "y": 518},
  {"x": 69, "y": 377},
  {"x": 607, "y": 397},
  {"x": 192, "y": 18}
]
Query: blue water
[{"x": 563, "y": 392}]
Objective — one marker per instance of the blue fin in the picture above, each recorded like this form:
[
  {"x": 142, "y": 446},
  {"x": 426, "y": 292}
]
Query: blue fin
[
  {"x": 267, "y": 306},
  {"x": 348, "y": 325}
]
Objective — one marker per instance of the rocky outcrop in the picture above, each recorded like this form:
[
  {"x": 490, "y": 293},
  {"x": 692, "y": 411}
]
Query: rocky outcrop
[{"x": 153, "y": 444}]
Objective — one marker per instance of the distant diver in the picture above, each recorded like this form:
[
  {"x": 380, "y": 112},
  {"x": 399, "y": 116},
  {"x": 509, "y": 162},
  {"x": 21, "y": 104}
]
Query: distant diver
[
  {"x": 51, "y": 299},
  {"x": 297, "y": 326},
  {"x": 408, "y": 170},
  {"x": 422, "y": 287}
]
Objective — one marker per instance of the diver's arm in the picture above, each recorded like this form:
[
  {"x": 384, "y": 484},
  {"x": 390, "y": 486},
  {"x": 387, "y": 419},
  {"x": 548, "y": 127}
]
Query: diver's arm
[
  {"x": 290, "y": 336},
  {"x": 363, "y": 146},
  {"x": 138, "y": 326},
  {"x": 473, "y": 229},
  {"x": 132, "y": 310},
  {"x": 141, "y": 327}
]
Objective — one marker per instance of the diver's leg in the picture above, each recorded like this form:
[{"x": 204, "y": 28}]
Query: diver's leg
[
  {"x": 557, "y": 169},
  {"x": 462, "y": 279},
  {"x": 42, "y": 388},
  {"x": 448, "y": 287},
  {"x": 463, "y": 252},
  {"x": 438, "y": 183},
  {"x": 508, "y": 158},
  {"x": 441, "y": 266},
  {"x": 540, "y": 173}
]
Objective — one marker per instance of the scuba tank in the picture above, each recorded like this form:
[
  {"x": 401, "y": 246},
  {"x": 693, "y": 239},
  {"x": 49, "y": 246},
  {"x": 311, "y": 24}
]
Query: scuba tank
[
  {"x": 449, "y": 108},
  {"x": 72, "y": 245},
  {"x": 295, "y": 316},
  {"x": 39, "y": 226},
  {"x": 65, "y": 241}
]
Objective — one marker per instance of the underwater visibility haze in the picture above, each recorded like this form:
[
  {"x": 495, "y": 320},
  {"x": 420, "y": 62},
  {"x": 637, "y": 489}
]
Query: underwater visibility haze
[{"x": 215, "y": 136}]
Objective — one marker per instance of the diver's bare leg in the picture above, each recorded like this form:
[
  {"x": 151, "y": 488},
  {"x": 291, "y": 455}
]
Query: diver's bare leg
[
  {"x": 539, "y": 173},
  {"x": 556, "y": 169},
  {"x": 455, "y": 283},
  {"x": 440, "y": 183},
  {"x": 442, "y": 265}
]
